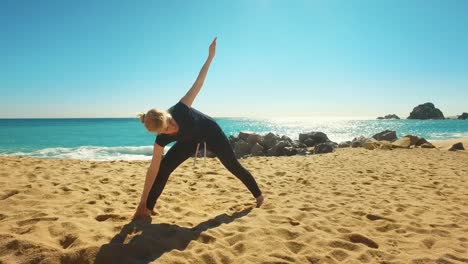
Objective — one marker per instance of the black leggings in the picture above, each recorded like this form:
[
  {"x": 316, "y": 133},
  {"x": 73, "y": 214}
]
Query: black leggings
[{"x": 218, "y": 143}]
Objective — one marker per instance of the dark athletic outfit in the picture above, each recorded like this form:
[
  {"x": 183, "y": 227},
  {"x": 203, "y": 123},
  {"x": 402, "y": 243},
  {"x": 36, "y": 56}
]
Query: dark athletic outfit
[{"x": 194, "y": 128}]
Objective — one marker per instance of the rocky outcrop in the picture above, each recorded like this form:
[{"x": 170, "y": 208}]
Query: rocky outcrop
[
  {"x": 386, "y": 140},
  {"x": 426, "y": 111},
  {"x": 392, "y": 116},
  {"x": 251, "y": 144},
  {"x": 248, "y": 144},
  {"x": 463, "y": 116}
]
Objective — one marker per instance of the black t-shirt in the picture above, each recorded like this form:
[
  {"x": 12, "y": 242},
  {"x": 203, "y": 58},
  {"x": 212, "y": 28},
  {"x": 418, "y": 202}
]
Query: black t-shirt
[{"x": 192, "y": 125}]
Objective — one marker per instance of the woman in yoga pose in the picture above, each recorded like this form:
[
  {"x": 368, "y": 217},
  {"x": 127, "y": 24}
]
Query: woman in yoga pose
[{"x": 188, "y": 127}]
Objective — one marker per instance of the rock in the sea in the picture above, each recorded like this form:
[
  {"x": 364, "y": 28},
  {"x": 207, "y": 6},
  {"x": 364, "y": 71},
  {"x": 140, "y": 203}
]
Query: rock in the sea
[
  {"x": 463, "y": 116},
  {"x": 388, "y": 135},
  {"x": 313, "y": 138},
  {"x": 457, "y": 146},
  {"x": 426, "y": 111},
  {"x": 392, "y": 116},
  {"x": 326, "y": 147},
  {"x": 257, "y": 150}
]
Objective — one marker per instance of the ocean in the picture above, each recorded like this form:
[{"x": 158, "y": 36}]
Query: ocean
[{"x": 127, "y": 139}]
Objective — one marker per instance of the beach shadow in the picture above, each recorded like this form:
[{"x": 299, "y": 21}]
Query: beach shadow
[{"x": 150, "y": 241}]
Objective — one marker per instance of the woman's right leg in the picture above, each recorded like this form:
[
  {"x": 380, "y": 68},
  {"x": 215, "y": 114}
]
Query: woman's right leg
[
  {"x": 219, "y": 144},
  {"x": 177, "y": 154}
]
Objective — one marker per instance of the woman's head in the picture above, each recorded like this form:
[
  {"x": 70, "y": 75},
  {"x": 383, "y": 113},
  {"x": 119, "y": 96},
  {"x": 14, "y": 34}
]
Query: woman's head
[{"x": 155, "y": 120}]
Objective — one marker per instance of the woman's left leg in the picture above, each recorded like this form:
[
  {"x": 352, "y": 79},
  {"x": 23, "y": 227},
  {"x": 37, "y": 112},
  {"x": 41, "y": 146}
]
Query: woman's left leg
[{"x": 219, "y": 144}]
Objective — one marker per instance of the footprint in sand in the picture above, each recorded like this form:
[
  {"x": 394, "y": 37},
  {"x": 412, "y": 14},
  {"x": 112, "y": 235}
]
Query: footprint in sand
[
  {"x": 2, "y": 216},
  {"x": 112, "y": 217},
  {"x": 344, "y": 245},
  {"x": 428, "y": 243},
  {"x": 8, "y": 194},
  {"x": 358, "y": 238},
  {"x": 35, "y": 220},
  {"x": 283, "y": 257},
  {"x": 67, "y": 241},
  {"x": 240, "y": 207},
  {"x": 104, "y": 181},
  {"x": 295, "y": 247},
  {"x": 206, "y": 238},
  {"x": 339, "y": 254},
  {"x": 66, "y": 189},
  {"x": 373, "y": 217}
]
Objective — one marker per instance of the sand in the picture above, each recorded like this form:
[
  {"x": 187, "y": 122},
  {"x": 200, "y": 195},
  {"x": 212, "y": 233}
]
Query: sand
[{"x": 350, "y": 206}]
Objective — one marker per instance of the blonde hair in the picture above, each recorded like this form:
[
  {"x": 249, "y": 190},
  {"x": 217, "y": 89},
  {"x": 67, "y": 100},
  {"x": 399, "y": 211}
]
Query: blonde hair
[{"x": 154, "y": 120}]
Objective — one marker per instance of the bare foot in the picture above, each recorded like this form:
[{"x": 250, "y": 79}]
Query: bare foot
[{"x": 259, "y": 200}]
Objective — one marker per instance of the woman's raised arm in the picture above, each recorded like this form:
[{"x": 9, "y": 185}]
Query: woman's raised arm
[{"x": 189, "y": 97}]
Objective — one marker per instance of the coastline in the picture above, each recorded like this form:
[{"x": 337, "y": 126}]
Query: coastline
[{"x": 352, "y": 205}]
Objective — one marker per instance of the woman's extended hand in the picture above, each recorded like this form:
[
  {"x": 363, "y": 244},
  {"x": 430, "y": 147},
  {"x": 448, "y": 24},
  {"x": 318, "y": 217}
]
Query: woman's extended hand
[{"x": 212, "y": 49}]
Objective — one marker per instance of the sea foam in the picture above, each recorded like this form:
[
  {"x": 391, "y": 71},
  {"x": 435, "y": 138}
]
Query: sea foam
[{"x": 97, "y": 153}]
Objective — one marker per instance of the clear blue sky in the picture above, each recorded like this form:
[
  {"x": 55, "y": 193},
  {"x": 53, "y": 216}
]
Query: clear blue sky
[{"x": 318, "y": 58}]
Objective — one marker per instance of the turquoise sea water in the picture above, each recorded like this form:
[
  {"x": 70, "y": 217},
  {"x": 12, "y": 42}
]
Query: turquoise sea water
[{"x": 126, "y": 138}]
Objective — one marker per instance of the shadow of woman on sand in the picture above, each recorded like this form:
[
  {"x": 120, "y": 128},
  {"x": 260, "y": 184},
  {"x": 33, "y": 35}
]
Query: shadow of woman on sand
[{"x": 150, "y": 241}]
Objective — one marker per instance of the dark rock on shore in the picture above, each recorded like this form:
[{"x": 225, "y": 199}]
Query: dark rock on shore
[
  {"x": 326, "y": 147},
  {"x": 248, "y": 144},
  {"x": 388, "y": 135},
  {"x": 426, "y": 111},
  {"x": 457, "y": 146},
  {"x": 313, "y": 138}
]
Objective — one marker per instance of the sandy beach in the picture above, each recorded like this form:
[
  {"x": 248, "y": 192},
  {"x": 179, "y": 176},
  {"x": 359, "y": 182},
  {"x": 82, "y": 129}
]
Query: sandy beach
[{"x": 350, "y": 206}]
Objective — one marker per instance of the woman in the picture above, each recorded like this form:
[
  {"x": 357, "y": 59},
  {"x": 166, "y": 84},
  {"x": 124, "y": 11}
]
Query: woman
[{"x": 188, "y": 127}]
